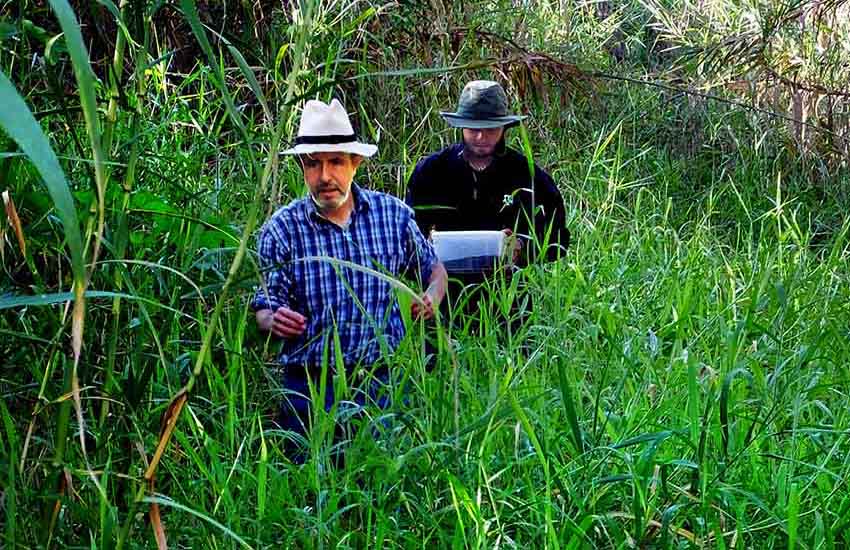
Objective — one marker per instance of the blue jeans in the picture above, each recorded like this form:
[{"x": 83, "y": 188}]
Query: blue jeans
[{"x": 296, "y": 407}]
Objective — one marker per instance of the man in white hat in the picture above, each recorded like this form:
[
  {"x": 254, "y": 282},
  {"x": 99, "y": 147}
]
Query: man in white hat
[{"x": 314, "y": 296}]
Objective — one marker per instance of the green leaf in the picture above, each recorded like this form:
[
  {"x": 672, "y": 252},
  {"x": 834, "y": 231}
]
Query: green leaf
[
  {"x": 281, "y": 52},
  {"x": 85, "y": 85},
  {"x": 7, "y": 30},
  {"x": 7, "y": 302},
  {"x": 212, "y": 239},
  {"x": 251, "y": 78},
  {"x": 88, "y": 101},
  {"x": 14, "y": 301},
  {"x": 18, "y": 122},
  {"x": 149, "y": 203},
  {"x": 793, "y": 516},
  {"x": 82, "y": 69},
  {"x": 35, "y": 31},
  {"x": 569, "y": 407},
  {"x": 262, "y": 474},
  {"x": 725, "y": 391},
  {"x": 10, "y": 485},
  {"x": 54, "y": 49},
  {"x": 666, "y": 519},
  {"x": 145, "y": 200}
]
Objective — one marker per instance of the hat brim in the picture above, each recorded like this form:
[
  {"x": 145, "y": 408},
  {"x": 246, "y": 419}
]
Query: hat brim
[
  {"x": 354, "y": 147},
  {"x": 457, "y": 121}
]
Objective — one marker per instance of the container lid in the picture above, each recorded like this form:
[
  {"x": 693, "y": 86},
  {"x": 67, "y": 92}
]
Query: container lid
[{"x": 469, "y": 251}]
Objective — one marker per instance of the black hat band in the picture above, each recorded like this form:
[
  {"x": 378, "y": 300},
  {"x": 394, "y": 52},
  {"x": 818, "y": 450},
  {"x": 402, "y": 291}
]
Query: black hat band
[{"x": 323, "y": 140}]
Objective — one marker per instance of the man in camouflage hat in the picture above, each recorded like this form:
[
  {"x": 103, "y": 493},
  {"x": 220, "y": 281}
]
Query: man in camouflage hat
[{"x": 481, "y": 184}]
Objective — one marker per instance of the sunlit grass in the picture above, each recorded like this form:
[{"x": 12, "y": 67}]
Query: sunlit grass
[{"x": 680, "y": 378}]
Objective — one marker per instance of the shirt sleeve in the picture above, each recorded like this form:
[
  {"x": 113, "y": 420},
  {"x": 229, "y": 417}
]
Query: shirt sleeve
[
  {"x": 420, "y": 253},
  {"x": 274, "y": 255}
]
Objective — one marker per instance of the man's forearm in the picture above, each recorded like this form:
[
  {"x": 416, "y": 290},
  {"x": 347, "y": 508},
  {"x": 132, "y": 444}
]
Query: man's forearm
[{"x": 437, "y": 283}]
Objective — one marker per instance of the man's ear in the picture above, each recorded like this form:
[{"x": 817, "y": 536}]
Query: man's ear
[{"x": 356, "y": 160}]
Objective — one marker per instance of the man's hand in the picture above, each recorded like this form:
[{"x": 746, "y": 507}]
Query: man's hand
[
  {"x": 432, "y": 297},
  {"x": 425, "y": 310},
  {"x": 283, "y": 323}
]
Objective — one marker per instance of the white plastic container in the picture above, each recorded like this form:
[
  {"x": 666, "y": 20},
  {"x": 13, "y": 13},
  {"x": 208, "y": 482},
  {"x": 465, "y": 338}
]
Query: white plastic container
[{"x": 469, "y": 251}]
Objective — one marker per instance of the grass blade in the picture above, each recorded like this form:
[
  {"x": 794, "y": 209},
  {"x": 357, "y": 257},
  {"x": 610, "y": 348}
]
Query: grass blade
[
  {"x": 693, "y": 400},
  {"x": 173, "y": 504},
  {"x": 793, "y": 516},
  {"x": 15, "y": 221},
  {"x": 251, "y": 78},
  {"x": 262, "y": 474},
  {"x": 10, "y": 488},
  {"x": 19, "y": 123},
  {"x": 724, "y": 405},
  {"x": 88, "y": 101},
  {"x": 158, "y": 528},
  {"x": 569, "y": 407}
]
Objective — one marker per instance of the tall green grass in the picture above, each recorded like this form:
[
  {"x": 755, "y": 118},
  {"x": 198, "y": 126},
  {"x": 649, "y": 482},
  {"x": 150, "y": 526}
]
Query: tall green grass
[{"x": 679, "y": 379}]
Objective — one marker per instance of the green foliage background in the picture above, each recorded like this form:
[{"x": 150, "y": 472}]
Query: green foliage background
[{"x": 680, "y": 382}]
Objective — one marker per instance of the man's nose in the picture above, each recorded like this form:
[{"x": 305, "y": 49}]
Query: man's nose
[{"x": 326, "y": 173}]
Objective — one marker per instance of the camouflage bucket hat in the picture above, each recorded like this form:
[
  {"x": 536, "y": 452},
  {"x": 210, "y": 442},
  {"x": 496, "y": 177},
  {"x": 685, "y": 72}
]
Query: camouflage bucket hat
[{"x": 482, "y": 104}]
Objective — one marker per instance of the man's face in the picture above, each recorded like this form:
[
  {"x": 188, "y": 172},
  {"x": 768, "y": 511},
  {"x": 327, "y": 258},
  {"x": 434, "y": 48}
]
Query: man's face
[
  {"x": 329, "y": 177},
  {"x": 482, "y": 142}
]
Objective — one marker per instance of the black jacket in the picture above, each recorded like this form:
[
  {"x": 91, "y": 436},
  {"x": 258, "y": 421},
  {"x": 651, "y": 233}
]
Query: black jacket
[{"x": 448, "y": 195}]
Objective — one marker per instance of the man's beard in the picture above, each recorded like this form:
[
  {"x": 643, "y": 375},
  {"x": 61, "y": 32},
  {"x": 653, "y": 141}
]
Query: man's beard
[
  {"x": 325, "y": 205},
  {"x": 471, "y": 154}
]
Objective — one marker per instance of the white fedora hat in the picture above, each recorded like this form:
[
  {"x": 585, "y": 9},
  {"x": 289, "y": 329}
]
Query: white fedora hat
[{"x": 326, "y": 129}]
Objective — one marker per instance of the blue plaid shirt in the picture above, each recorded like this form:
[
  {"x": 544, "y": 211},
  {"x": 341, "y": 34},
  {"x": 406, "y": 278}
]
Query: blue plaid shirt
[{"x": 382, "y": 235}]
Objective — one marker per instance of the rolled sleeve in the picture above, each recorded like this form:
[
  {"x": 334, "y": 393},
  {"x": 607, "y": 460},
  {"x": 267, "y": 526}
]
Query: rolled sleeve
[
  {"x": 420, "y": 252},
  {"x": 273, "y": 254}
]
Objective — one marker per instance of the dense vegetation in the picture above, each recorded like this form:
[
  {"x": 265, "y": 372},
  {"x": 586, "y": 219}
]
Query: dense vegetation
[{"x": 680, "y": 382}]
